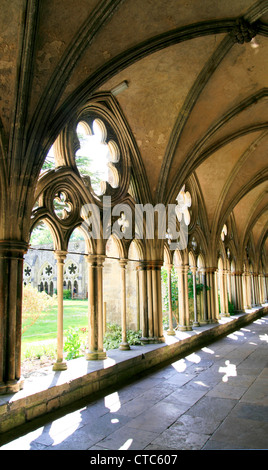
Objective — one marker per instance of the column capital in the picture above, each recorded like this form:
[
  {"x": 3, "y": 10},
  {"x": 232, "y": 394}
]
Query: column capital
[
  {"x": 193, "y": 269},
  {"x": 212, "y": 269},
  {"x": 123, "y": 262},
  {"x": 60, "y": 255},
  {"x": 13, "y": 248},
  {"x": 183, "y": 268},
  {"x": 95, "y": 260}
]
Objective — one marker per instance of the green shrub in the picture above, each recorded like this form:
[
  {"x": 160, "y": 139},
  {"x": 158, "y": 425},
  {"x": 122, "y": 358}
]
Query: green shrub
[
  {"x": 231, "y": 308},
  {"x": 113, "y": 336},
  {"x": 73, "y": 344},
  {"x": 67, "y": 294}
]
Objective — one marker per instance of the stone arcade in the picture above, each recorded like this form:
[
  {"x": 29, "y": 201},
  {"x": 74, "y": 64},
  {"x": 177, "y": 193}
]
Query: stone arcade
[{"x": 176, "y": 97}]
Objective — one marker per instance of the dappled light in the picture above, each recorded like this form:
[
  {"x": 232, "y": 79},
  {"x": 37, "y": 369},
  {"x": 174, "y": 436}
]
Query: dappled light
[
  {"x": 126, "y": 445},
  {"x": 229, "y": 371}
]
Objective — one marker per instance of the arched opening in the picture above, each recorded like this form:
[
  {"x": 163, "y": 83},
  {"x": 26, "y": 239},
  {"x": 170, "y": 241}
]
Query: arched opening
[
  {"x": 111, "y": 284},
  {"x": 96, "y": 156},
  {"x": 169, "y": 283},
  {"x": 39, "y": 306}
]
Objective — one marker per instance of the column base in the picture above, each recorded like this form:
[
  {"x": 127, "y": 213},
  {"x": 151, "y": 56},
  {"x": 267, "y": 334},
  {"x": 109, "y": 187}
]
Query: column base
[
  {"x": 124, "y": 347},
  {"x": 59, "y": 365},
  {"x": 225, "y": 314},
  {"x": 196, "y": 323},
  {"x": 171, "y": 332},
  {"x": 96, "y": 355},
  {"x": 185, "y": 328},
  {"x": 12, "y": 386}
]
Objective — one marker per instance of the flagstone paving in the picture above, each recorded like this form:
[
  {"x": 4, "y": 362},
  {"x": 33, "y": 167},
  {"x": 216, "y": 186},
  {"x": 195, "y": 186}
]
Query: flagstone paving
[{"x": 214, "y": 398}]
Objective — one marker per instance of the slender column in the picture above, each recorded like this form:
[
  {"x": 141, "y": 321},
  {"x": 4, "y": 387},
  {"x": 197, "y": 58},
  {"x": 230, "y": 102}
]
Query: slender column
[
  {"x": 248, "y": 290},
  {"x": 252, "y": 289},
  {"x": 95, "y": 308},
  {"x": 159, "y": 303},
  {"x": 229, "y": 289},
  {"x": 223, "y": 293},
  {"x": 256, "y": 293},
  {"x": 150, "y": 303},
  {"x": 196, "y": 322},
  {"x": 124, "y": 346},
  {"x": 266, "y": 287},
  {"x": 205, "y": 306},
  {"x": 60, "y": 364},
  {"x": 11, "y": 281},
  {"x": 212, "y": 295},
  {"x": 170, "y": 331},
  {"x": 184, "y": 320},
  {"x": 138, "y": 299},
  {"x": 155, "y": 304},
  {"x": 143, "y": 300}
]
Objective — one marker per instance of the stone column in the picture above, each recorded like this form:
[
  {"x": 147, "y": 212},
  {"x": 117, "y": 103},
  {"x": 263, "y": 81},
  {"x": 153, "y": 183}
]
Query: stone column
[
  {"x": 184, "y": 318},
  {"x": 124, "y": 346},
  {"x": 266, "y": 287},
  {"x": 257, "y": 292},
  {"x": 229, "y": 288},
  {"x": 248, "y": 290},
  {"x": 95, "y": 308},
  {"x": 212, "y": 295},
  {"x": 143, "y": 300},
  {"x": 155, "y": 304},
  {"x": 170, "y": 331},
  {"x": 160, "y": 337},
  {"x": 150, "y": 304},
  {"x": 138, "y": 299},
  {"x": 252, "y": 289},
  {"x": 196, "y": 322},
  {"x": 205, "y": 306},
  {"x": 60, "y": 364},
  {"x": 11, "y": 282},
  {"x": 223, "y": 293}
]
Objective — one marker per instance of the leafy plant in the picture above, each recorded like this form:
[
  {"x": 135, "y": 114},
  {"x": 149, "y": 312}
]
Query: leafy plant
[
  {"x": 73, "y": 343},
  {"x": 113, "y": 336},
  {"x": 67, "y": 294}
]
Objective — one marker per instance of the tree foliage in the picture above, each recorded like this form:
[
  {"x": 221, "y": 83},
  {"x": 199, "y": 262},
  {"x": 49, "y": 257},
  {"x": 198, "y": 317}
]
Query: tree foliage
[{"x": 34, "y": 304}]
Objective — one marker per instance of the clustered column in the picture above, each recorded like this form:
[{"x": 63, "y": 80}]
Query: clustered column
[
  {"x": 170, "y": 331},
  {"x": 60, "y": 257},
  {"x": 151, "y": 301},
  {"x": 194, "y": 270},
  {"x": 212, "y": 295},
  {"x": 184, "y": 316},
  {"x": 95, "y": 308},
  {"x": 11, "y": 277}
]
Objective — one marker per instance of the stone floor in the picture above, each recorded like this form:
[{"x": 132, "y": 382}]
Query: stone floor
[{"x": 213, "y": 399}]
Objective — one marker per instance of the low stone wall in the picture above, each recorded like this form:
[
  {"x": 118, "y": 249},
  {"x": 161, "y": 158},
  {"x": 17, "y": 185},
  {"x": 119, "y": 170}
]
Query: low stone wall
[{"x": 88, "y": 378}]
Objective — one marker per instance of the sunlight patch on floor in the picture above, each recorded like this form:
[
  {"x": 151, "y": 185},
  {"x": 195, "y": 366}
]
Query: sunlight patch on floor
[{"x": 228, "y": 371}]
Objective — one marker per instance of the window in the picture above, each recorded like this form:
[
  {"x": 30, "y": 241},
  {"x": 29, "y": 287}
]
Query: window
[{"x": 96, "y": 157}]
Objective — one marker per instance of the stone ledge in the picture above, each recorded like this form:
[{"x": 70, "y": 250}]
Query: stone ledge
[{"x": 82, "y": 379}]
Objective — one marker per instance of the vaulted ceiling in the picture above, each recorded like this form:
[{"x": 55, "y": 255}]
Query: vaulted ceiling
[{"x": 196, "y": 101}]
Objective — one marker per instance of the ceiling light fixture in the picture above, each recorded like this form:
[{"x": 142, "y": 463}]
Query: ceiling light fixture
[{"x": 119, "y": 88}]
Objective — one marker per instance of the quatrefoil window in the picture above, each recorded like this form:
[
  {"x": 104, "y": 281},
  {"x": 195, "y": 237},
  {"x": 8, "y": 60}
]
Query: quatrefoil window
[
  {"x": 72, "y": 268},
  {"x": 62, "y": 205},
  {"x": 96, "y": 157},
  {"x": 27, "y": 271},
  {"x": 48, "y": 270}
]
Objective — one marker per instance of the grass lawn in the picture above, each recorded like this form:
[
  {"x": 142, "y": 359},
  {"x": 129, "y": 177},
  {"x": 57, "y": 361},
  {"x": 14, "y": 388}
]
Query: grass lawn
[{"x": 74, "y": 315}]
